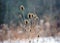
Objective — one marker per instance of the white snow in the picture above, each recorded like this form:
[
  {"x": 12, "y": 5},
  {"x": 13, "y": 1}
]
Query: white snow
[{"x": 36, "y": 40}]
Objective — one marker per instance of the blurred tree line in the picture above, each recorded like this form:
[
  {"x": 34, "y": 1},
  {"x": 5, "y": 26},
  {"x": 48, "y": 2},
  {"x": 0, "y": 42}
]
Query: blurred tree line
[
  {"x": 13, "y": 7},
  {"x": 2, "y": 10}
]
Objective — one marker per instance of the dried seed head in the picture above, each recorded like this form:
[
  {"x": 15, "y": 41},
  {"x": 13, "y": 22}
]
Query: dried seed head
[
  {"x": 20, "y": 16},
  {"x": 36, "y": 18},
  {"x": 26, "y": 22},
  {"x": 30, "y": 15},
  {"x": 34, "y": 15},
  {"x": 30, "y": 30},
  {"x": 38, "y": 36},
  {"x": 22, "y": 8}
]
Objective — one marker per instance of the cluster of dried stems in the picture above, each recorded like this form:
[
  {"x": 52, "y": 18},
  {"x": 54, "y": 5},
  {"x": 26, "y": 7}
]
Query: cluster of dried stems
[{"x": 30, "y": 28}]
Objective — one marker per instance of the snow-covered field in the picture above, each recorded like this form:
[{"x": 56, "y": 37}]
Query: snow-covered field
[{"x": 35, "y": 40}]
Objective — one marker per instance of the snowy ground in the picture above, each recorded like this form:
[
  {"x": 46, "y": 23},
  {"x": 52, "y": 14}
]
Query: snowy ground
[{"x": 36, "y": 40}]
